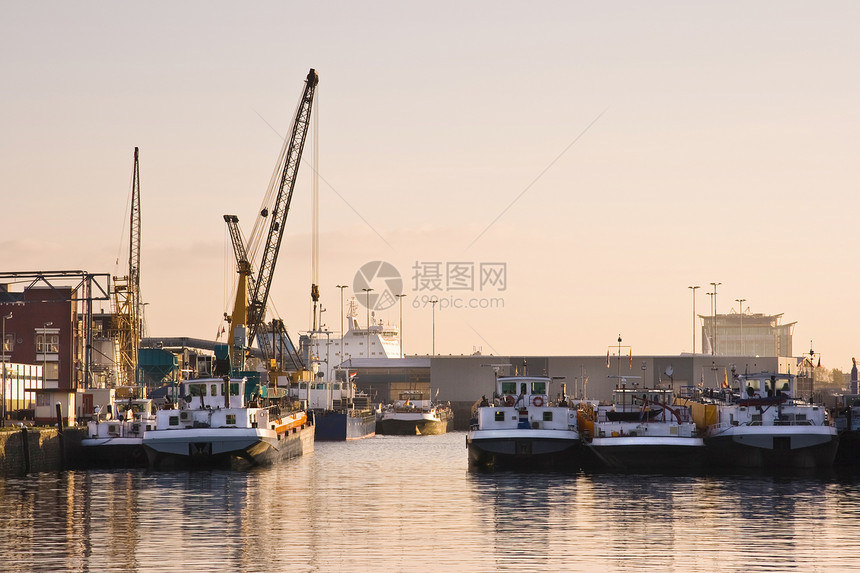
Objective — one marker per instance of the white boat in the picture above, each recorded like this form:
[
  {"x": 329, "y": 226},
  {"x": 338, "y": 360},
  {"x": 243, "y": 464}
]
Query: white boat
[
  {"x": 217, "y": 423},
  {"x": 846, "y": 419},
  {"x": 642, "y": 429},
  {"x": 523, "y": 428},
  {"x": 764, "y": 425},
  {"x": 115, "y": 434},
  {"x": 414, "y": 414}
]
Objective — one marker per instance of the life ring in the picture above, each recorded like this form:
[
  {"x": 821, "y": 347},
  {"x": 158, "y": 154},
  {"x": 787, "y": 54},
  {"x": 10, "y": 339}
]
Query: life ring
[
  {"x": 510, "y": 401},
  {"x": 537, "y": 401}
]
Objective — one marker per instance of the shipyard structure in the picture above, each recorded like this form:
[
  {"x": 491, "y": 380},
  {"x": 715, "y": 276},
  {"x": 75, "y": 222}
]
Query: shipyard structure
[{"x": 57, "y": 349}]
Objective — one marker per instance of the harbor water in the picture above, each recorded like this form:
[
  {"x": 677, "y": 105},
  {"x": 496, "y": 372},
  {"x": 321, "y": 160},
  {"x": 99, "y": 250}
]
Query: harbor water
[{"x": 410, "y": 503}]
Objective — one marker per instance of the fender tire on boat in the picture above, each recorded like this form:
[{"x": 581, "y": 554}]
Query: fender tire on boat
[{"x": 537, "y": 401}]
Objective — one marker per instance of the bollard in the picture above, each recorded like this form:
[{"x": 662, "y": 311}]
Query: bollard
[
  {"x": 60, "y": 436},
  {"x": 25, "y": 439}
]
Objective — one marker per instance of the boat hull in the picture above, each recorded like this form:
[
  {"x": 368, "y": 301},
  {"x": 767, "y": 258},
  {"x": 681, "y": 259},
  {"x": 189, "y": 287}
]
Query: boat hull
[
  {"x": 237, "y": 448},
  {"x": 523, "y": 449},
  {"x": 848, "y": 452},
  {"x": 114, "y": 452},
  {"x": 765, "y": 447},
  {"x": 647, "y": 453},
  {"x": 339, "y": 426},
  {"x": 417, "y": 427}
]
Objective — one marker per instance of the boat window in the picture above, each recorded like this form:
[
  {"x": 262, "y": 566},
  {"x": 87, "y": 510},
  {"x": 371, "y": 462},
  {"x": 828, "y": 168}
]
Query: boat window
[
  {"x": 234, "y": 389},
  {"x": 197, "y": 389},
  {"x": 782, "y": 385},
  {"x": 500, "y": 416},
  {"x": 231, "y": 419},
  {"x": 538, "y": 387},
  {"x": 336, "y": 386},
  {"x": 509, "y": 387},
  {"x": 173, "y": 421},
  {"x": 213, "y": 389},
  {"x": 547, "y": 416},
  {"x": 751, "y": 387}
]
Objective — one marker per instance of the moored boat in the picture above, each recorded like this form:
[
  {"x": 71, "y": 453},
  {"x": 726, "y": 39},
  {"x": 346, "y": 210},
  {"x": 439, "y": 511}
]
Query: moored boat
[
  {"x": 523, "y": 428},
  {"x": 340, "y": 411},
  {"x": 643, "y": 429},
  {"x": 217, "y": 423},
  {"x": 415, "y": 414},
  {"x": 115, "y": 434},
  {"x": 763, "y": 425},
  {"x": 846, "y": 419}
]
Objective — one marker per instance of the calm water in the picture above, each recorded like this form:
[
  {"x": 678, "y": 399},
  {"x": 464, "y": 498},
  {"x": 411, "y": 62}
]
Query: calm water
[{"x": 410, "y": 504}]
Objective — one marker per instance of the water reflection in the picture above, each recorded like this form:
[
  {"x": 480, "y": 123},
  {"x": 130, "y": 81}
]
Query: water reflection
[{"x": 410, "y": 504}]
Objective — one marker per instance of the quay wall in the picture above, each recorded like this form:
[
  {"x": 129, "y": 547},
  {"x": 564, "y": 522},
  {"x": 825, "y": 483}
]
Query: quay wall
[{"x": 43, "y": 447}]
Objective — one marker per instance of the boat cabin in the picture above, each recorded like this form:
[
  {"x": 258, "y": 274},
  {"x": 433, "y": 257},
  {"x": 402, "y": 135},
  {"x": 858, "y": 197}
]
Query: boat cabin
[
  {"x": 766, "y": 385},
  {"x": 212, "y": 393},
  {"x": 523, "y": 391}
]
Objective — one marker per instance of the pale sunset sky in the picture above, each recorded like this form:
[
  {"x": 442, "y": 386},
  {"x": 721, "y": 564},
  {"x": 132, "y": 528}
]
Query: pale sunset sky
[{"x": 605, "y": 155}]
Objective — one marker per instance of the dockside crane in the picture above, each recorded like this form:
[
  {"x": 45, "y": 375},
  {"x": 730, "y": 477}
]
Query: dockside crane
[
  {"x": 258, "y": 289},
  {"x": 239, "y": 319},
  {"x": 126, "y": 300}
]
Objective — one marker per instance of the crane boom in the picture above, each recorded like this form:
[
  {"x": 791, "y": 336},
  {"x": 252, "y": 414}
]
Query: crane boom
[
  {"x": 126, "y": 301},
  {"x": 280, "y": 209}
]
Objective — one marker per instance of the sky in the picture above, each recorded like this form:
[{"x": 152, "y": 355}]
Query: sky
[{"x": 590, "y": 161}]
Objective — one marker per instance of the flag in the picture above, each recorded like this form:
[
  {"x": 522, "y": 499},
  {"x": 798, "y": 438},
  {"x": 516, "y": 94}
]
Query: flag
[
  {"x": 819, "y": 361},
  {"x": 630, "y": 365},
  {"x": 607, "y": 359},
  {"x": 725, "y": 378}
]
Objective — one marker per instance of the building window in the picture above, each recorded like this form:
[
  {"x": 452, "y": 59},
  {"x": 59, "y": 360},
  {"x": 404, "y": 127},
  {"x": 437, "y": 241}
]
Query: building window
[
  {"x": 9, "y": 343},
  {"x": 47, "y": 343},
  {"x": 52, "y": 371}
]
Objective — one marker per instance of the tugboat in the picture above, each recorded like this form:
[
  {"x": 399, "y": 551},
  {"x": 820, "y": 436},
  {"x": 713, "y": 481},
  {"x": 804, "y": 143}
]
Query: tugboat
[
  {"x": 642, "y": 429},
  {"x": 414, "y": 414},
  {"x": 763, "y": 425},
  {"x": 222, "y": 422},
  {"x": 522, "y": 428}
]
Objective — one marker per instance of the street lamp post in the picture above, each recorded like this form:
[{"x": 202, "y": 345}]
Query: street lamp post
[
  {"x": 341, "y": 287},
  {"x": 400, "y": 296},
  {"x": 45, "y": 354},
  {"x": 741, "y": 302},
  {"x": 367, "y": 305},
  {"x": 433, "y": 302},
  {"x": 715, "y": 285},
  {"x": 693, "y": 288},
  {"x": 3, "y": 398}
]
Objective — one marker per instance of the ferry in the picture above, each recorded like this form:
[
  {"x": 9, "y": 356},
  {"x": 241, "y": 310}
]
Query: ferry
[
  {"x": 222, "y": 422},
  {"x": 762, "y": 424},
  {"x": 415, "y": 414},
  {"x": 522, "y": 427},
  {"x": 642, "y": 429}
]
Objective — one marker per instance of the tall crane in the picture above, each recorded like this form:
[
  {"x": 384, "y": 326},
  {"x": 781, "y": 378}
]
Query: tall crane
[
  {"x": 288, "y": 164},
  {"x": 127, "y": 313}
]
